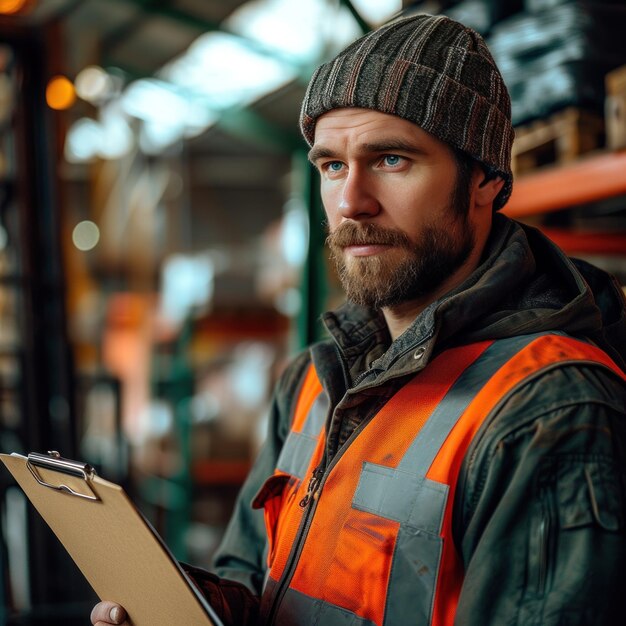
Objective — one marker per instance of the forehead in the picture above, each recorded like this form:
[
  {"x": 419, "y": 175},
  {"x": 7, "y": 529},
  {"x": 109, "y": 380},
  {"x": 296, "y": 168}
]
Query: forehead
[{"x": 352, "y": 127}]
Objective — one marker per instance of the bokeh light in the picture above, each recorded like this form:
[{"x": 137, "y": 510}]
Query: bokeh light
[
  {"x": 60, "y": 93},
  {"x": 93, "y": 84},
  {"x": 8, "y": 7},
  {"x": 86, "y": 235}
]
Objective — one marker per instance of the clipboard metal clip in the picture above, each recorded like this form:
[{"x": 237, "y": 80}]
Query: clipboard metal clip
[{"x": 55, "y": 462}]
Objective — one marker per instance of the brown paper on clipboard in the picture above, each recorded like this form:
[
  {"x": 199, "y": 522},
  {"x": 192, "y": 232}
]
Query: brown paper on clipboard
[{"x": 114, "y": 547}]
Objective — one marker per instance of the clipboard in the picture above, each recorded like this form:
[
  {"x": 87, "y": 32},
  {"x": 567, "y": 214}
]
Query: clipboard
[{"x": 119, "y": 553}]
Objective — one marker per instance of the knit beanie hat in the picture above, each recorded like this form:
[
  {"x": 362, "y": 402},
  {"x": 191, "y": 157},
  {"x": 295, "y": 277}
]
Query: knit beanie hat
[{"x": 432, "y": 71}]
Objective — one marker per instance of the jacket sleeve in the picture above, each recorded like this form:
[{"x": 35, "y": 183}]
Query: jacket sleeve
[
  {"x": 539, "y": 512},
  {"x": 235, "y": 586}
]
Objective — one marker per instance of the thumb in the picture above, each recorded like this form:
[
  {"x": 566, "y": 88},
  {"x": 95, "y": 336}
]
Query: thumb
[{"x": 107, "y": 613}]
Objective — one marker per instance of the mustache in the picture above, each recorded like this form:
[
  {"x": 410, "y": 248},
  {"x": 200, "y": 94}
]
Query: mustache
[{"x": 355, "y": 234}]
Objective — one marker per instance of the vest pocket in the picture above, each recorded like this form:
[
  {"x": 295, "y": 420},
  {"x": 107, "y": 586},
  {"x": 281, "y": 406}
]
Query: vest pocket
[
  {"x": 275, "y": 495},
  {"x": 417, "y": 504}
]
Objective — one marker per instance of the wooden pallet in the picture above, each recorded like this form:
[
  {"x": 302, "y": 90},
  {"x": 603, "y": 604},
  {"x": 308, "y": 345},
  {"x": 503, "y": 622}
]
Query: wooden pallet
[
  {"x": 560, "y": 138},
  {"x": 615, "y": 108}
]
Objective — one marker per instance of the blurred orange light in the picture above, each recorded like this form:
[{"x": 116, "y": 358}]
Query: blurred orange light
[
  {"x": 7, "y": 7},
  {"x": 60, "y": 93}
]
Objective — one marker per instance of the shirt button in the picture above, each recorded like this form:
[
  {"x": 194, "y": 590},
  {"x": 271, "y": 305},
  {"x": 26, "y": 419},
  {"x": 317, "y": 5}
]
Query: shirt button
[{"x": 419, "y": 353}]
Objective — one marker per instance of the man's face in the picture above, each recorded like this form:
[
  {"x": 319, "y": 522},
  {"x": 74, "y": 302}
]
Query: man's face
[{"x": 388, "y": 191}]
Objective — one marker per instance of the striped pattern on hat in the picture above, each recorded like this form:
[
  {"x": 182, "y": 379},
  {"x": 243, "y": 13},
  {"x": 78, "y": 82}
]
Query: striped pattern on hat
[{"x": 432, "y": 71}]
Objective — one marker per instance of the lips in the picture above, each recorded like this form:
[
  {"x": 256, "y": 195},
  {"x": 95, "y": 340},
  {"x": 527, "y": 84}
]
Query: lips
[
  {"x": 366, "y": 249},
  {"x": 353, "y": 240}
]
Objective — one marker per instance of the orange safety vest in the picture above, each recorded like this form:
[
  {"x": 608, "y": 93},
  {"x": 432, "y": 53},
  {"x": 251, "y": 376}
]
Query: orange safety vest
[{"x": 368, "y": 540}]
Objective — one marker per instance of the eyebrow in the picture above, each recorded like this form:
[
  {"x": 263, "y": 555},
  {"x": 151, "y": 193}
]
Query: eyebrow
[
  {"x": 385, "y": 145},
  {"x": 319, "y": 152}
]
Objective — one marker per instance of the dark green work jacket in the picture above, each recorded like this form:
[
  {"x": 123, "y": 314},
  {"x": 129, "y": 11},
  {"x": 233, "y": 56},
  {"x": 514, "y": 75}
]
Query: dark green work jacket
[{"x": 539, "y": 506}]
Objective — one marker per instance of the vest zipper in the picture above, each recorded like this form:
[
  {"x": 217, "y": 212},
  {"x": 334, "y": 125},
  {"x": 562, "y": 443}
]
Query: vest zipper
[
  {"x": 314, "y": 482},
  {"x": 314, "y": 488},
  {"x": 308, "y": 503}
]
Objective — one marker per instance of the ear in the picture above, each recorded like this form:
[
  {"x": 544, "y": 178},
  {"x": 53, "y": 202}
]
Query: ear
[{"x": 486, "y": 187}]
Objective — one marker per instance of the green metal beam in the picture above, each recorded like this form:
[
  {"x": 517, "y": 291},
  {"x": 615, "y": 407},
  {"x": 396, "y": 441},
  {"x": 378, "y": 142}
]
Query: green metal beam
[
  {"x": 314, "y": 285},
  {"x": 363, "y": 24}
]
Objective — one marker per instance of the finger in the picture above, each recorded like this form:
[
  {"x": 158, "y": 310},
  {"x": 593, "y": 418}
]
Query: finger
[{"x": 107, "y": 613}]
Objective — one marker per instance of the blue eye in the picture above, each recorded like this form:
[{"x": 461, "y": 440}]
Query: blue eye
[
  {"x": 335, "y": 166},
  {"x": 392, "y": 159}
]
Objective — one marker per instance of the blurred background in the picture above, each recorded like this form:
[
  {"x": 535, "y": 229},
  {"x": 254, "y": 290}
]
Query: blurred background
[{"x": 161, "y": 241}]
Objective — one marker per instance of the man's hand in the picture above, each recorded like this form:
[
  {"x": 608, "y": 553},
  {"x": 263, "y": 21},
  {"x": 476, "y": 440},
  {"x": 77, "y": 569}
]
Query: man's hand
[{"x": 106, "y": 613}]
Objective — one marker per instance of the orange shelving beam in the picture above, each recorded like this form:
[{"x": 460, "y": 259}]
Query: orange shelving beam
[
  {"x": 215, "y": 472},
  {"x": 577, "y": 242},
  {"x": 591, "y": 179}
]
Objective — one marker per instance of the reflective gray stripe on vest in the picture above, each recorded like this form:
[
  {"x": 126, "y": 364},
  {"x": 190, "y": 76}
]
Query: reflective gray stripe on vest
[
  {"x": 405, "y": 495},
  {"x": 296, "y": 454},
  {"x": 401, "y": 496},
  {"x": 298, "y": 609}
]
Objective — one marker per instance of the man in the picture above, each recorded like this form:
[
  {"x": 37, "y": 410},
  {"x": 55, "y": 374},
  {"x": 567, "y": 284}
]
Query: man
[{"x": 455, "y": 452}]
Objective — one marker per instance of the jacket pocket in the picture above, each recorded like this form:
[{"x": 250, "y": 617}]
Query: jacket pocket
[
  {"x": 274, "y": 497},
  {"x": 589, "y": 493},
  {"x": 543, "y": 532},
  {"x": 579, "y": 499}
]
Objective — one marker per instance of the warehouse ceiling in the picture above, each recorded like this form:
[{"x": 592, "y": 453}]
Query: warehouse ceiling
[
  {"x": 146, "y": 44},
  {"x": 139, "y": 40}
]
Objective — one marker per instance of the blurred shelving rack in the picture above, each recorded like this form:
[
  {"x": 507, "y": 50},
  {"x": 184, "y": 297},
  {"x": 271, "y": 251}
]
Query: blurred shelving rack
[
  {"x": 36, "y": 382},
  {"x": 590, "y": 180}
]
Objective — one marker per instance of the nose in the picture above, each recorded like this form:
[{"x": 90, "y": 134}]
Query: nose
[{"x": 358, "y": 198}]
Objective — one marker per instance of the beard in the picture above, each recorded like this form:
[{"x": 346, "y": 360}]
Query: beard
[{"x": 407, "y": 271}]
